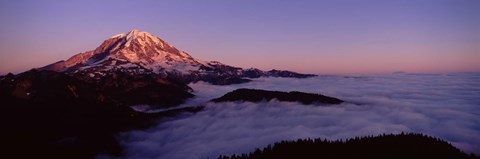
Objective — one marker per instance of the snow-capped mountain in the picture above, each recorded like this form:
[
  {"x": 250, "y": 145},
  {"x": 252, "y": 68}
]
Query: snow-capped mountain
[{"x": 138, "y": 52}]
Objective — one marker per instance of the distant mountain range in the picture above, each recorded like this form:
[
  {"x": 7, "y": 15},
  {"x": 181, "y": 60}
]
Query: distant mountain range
[{"x": 140, "y": 53}]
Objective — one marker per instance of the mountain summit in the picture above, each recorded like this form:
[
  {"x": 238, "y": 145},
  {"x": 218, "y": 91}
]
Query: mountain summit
[
  {"x": 138, "y": 52},
  {"x": 143, "y": 47},
  {"x": 136, "y": 47}
]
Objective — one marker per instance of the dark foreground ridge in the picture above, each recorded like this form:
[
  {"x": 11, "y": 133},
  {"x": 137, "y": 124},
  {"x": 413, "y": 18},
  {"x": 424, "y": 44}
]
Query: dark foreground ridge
[
  {"x": 256, "y": 95},
  {"x": 45, "y": 114},
  {"x": 401, "y": 146}
]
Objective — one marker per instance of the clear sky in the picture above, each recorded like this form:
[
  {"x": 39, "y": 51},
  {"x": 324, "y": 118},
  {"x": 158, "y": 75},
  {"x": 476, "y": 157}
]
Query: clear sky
[{"x": 337, "y": 36}]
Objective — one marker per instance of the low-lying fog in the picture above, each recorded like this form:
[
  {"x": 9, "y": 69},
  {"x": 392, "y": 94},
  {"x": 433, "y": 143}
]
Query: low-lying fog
[{"x": 443, "y": 105}]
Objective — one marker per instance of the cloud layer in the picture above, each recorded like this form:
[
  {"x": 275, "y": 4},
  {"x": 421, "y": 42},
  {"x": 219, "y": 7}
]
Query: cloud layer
[{"x": 442, "y": 105}]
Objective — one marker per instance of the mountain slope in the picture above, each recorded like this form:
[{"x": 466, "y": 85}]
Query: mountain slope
[
  {"x": 118, "y": 89},
  {"x": 54, "y": 115},
  {"x": 137, "y": 52},
  {"x": 135, "y": 47},
  {"x": 398, "y": 146}
]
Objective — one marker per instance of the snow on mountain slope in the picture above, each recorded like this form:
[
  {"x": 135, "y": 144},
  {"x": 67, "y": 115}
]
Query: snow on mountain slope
[
  {"x": 140, "y": 48},
  {"x": 139, "y": 52}
]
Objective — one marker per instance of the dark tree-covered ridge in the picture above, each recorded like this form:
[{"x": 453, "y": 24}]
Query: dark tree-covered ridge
[
  {"x": 257, "y": 95},
  {"x": 400, "y": 146},
  {"x": 46, "y": 114}
]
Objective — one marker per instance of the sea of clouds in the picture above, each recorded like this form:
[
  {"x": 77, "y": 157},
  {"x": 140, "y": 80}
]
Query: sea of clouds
[{"x": 442, "y": 105}]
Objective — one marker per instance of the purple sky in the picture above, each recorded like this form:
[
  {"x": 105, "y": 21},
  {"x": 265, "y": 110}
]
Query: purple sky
[{"x": 341, "y": 36}]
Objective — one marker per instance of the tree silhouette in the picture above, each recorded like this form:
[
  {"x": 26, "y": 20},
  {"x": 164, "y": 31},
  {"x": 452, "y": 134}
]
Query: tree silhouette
[{"x": 390, "y": 146}]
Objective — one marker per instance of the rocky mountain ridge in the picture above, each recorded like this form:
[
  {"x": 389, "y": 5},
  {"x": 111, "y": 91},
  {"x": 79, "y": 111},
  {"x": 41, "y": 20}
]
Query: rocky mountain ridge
[{"x": 138, "y": 53}]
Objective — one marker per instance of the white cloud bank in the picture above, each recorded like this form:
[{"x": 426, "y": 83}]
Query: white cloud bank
[{"x": 443, "y": 105}]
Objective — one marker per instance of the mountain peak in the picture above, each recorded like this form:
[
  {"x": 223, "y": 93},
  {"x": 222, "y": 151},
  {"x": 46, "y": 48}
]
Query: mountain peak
[
  {"x": 134, "y": 31},
  {"x": 140, "y": 52},
  {"x": 142, "y": 47},
  {"x": 135, "y": 46},
  {"x": 132, "y": 34}
]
